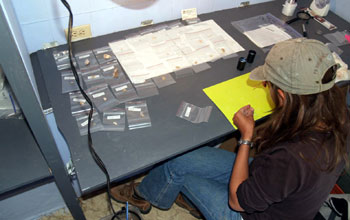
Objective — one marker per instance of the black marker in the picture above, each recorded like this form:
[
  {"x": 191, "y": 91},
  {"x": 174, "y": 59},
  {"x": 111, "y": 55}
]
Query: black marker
[{"x": 304, "y": 30}]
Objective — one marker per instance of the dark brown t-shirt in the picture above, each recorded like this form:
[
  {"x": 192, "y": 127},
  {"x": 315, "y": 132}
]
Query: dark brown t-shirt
[{"x": 282, "y": 185}]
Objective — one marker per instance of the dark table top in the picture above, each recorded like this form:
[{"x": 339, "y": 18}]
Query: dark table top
[{"x": 127, "y": 153}]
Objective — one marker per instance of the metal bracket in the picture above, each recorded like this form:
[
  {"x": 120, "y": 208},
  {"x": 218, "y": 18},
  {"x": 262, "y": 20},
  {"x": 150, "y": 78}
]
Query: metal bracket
[
  {"x": 50, "y": 45},
  {"x": 47, "y": 111},
  {"x": 70, "y": 169}
]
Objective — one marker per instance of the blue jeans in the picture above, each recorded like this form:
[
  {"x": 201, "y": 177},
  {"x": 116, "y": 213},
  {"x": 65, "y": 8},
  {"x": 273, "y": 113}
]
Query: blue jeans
[{"x": 202, "y": 176}]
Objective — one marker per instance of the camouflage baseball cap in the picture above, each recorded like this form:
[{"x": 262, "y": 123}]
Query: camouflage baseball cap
[{"x": 297, "y": 66}]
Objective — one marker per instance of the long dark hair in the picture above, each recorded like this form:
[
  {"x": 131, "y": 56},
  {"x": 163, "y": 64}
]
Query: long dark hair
[{"x": 300, "y": 114}]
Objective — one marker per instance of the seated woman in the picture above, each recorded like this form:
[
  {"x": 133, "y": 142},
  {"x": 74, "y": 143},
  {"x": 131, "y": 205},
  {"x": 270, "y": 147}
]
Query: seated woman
[{"x": 301, "y": 149}]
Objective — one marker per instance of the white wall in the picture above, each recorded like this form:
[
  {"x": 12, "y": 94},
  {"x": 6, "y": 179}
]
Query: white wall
[
  {"x": 19, "y": 40},
  {"x": 341, "y": 8},
  {"x": 43, "y": 21}
]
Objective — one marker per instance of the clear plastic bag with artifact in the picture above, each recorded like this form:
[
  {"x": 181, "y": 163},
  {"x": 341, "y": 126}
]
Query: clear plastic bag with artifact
[
  {"x": 194, "y": 113},
  {"x": 137, "y": 114},
  {"x": 124, "y": 91},
  {"x": 82, "y": 120},
  {"x": 86, "y": 60},
  {"x": 104, "y": 55},
  {"x": 114, "y": 119},
  {"x": 102, "y": 97}
]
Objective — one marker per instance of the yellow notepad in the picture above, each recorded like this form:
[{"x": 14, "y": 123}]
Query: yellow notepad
[{"x": 231, "y": 95}]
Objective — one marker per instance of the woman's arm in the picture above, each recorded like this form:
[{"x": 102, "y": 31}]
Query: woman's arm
[{"x": 244, "y": 121}]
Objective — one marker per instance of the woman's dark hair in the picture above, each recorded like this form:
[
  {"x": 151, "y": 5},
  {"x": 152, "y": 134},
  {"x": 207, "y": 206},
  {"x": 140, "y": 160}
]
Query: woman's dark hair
[{"x": 300, "y": 114}]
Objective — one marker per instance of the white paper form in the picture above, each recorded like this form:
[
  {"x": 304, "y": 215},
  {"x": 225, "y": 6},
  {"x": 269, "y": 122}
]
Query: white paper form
[
  {"x": 158, "y": 53},
  {"x": 267, "y": 35}
]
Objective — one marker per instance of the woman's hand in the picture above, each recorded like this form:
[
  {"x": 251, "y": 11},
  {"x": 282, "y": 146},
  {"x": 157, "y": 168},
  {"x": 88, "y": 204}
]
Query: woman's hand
[{"x": 244, "y": 121}]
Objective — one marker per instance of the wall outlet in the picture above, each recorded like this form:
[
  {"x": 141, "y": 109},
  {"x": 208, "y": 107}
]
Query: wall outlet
[
  {"x": 244, "y": 4},
  {"x": 80, "y": 32},
  {"x": 146, "y": 22}
]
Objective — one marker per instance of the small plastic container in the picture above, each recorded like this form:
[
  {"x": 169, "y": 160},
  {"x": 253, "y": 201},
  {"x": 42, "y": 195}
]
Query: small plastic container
[{"x": 289, "y": 7}]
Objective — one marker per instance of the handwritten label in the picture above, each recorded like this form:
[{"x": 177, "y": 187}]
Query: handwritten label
[
  {"x": 84, "y": 123},
  {"x": 113, "y": 117},
  {"x": 69, "y": 78},
  {"x": 84, "y": 56},
  {"x": 98, "y": 95},
  {"x": 102, "y": 51},
  {"x": 121, "y": 88},
  {"x": 108, "y": 68},
  {"x": 188, "y": 110},
  {"x": 94, "y": 77},
  {"x": 79, "y": 100},
  {"x": 134, "y": 109}
]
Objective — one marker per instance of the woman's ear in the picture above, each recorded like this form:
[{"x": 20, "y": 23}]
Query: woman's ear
[{"x": 281, "y": 96}]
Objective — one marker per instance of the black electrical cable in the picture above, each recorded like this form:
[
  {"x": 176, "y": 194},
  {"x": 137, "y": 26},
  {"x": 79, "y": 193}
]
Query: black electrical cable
[{"x": 97, "y": 159}]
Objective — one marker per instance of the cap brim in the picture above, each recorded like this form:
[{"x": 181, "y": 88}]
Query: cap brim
[{"x": 257, "y": 74}]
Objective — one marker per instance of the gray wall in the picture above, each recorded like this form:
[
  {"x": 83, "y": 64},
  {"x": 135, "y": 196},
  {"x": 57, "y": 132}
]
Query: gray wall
[{"x": 32, "y": 204}]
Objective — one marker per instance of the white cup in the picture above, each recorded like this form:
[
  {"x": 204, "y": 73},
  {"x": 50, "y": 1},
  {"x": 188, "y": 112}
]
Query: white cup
[{"x": 288, "y": 8}]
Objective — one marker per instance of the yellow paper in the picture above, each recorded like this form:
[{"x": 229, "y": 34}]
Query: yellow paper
[{"x": 231, "y": 95}]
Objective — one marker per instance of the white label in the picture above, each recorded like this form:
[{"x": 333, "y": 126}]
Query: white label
[
  {"x": 69, "y": 78},
  {"x": 134, "y": 109},
  {"x": 79, "y": 100},
  {"x": 84, "y": 123},
  {"x": 109, "y": 68},
  {"x": 188, "y": 110},
  {"x": 93, "y": 76},
  {"x": 98, "y": 95},
  {"x": 102, "y": 51},
  {"x": 188, "y": 13},
  {"x": 113, "y": 117},
  {"x": 121, "y": 88},
  {"x": 62, "y": 59},
  {"x": 84, "y": 56}
]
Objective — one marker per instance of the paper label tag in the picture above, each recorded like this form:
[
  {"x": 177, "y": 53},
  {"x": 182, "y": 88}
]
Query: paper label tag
[
  {"x": 121, "y": 88},
  {"x": 69, "y": 78},
  {"x": 62, "y": 59},
  {"x": 113, "y": 117},
  {"x": 134, "y": 109},
  {"x": 79, "y": 100},
  {"x": 84, "y": 56},
  {"x": 84, "y": 123},
  {"x": 188, "y": 110},
  {"x": 93, "y": 76},
  {"x": 98, "y": 95},
  {"x": 189, "y": 13},
  {"x": 102, "y": 51},
  {"x": 108, "y": 68}
]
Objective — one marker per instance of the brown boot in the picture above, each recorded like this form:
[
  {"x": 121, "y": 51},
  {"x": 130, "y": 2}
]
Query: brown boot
[
  {"x": 126, "y": 193},
  {"x": 180, "y": 201}
]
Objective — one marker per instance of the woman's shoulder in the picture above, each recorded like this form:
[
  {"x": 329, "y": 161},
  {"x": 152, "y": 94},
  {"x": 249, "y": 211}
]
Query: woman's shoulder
[{"x": 311, "y": 150}]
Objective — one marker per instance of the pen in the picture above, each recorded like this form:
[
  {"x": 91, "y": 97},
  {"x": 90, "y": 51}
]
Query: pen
[
  {"x": 127, "y": 210},
  {"x": 304, "y": 30}
]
